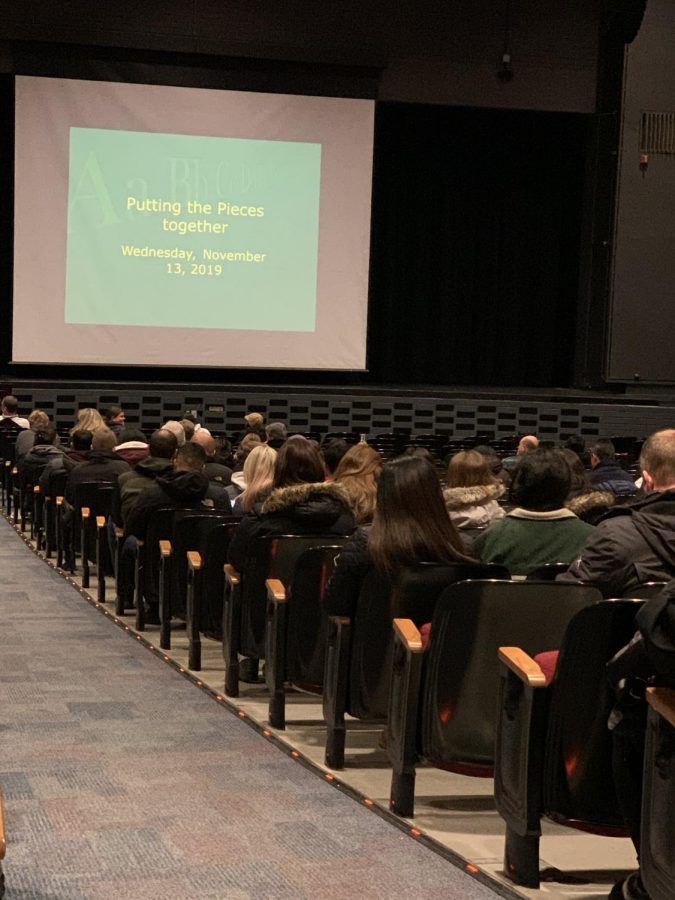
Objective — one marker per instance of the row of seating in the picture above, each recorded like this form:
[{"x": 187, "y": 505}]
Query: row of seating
[{"x": 552, "y": 745}]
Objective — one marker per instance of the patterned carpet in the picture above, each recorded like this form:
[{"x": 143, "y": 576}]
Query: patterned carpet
[{"x": 122, "y": 780}]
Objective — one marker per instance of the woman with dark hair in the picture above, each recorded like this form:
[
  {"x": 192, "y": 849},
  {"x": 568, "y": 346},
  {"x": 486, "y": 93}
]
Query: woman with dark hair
[
  {"x": 410, "y": 526},
  {"x": 585, "y": 501},
  {"x": 471, "y": 492},
  {"x": 358, "y": 472},
  {"x": 300, "y": 503}
]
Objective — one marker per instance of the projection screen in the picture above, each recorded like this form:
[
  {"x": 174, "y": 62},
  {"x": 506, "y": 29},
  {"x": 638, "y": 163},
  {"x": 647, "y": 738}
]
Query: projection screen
[{"x": 158, "y": 225}]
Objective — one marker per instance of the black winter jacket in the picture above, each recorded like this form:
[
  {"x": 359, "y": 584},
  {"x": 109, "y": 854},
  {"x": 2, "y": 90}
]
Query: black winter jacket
[
  {"x": 609, "y": 476},
  {"x": 630, "y": 546},
  {"x": 321, "y": 508},
  {"x": 178, "y": 490},
  {"x": 101, "y": 465}
]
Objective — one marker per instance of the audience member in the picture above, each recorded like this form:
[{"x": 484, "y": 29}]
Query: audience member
[
  {"x": 176, "y": 430},
  {"x": 259, "y": 477},
  {"x": 188, "y": 427},
  {"x": 527, "y": 444},
  {"x": 132, "y": 446},
  {"x": 358, "y": 472},
  {"x": 214, "y": 471},
  {"x": 410, "y": 526},
  {"x": 88, "y": 419},
  {"x": 114, "y": 418},
  {"x": 494, "y": 464},
  {"x": 584, "y": 500},
  {"x": 44, "y": 450},
  {"x": 607, "y": 474},
  {"x": 77, "y": 452},
  {"x": 472, "y": 492},
  {"x": 25, "y": 439},
  {"x": 255, "y": 424},
  {"x": 10, "y": 420},
  {"x": 223, "y": 455},
  {"x": 276, "y": 433},
  {"x": 238, "y": 482},
  {"x": 159, "y": 462},
  {"x": 102, "y": 464},
  {"x": 635, "y": 543},
  {"x": 300, "y": 503},
  {"x": 540, "y": 530},
  {"x": 577, "y": 445},
  {"x": 332, "y": 452}
]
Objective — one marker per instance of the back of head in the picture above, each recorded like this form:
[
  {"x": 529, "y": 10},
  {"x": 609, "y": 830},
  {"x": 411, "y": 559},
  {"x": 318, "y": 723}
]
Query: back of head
[
  {"x": 360, "y": 461},
  {"x": 10, "y": 405},
  {"x": 332, "y": 452},
  {"x": 38, "y": 419},
  {"x": 469, "y": 468},
  {"x": 247, "y": 443},
  {"x": 163, "y": 444},
  {"x": 541, "y": 481},
  {"x": 188, "y": 427},
  {"x": 258, "y": 475},
  {"x": 190, "y": 458},
  {"x": 88, "y": 419},
  {"x": 81, "y": 439},
  {"x": 276, "y": 431},
  {"x": 254, "y": 420},
  {"x": 576, "y": 444},
  {"x": 131, "y": 433},
  {"x": 657, "y": 460},
  {"x": 580, "y": 480},
  {"x": 411, "y": 523},
  {"x": 604, "y": 450},
  {"x": 491, "y": 457},
  {"x": 110, "y": 413},
  {"x": 298, "y": 462},
  {"x": 205, "y": 440},
  {"x": 46, "y": 435},
  {"x": 103, "y": 440},
  {"x": 527, "y": 444},
  {"x": 176, "y": 430}
]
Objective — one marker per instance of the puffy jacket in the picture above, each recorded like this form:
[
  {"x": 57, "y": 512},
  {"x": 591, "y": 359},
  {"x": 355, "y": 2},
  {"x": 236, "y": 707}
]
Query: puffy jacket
[
  {"x": 178, "y": 490},
  {"x": 609, "y": 476},
  {"x": 474, "y": 507},
  {"x": 321, "y": 508},
  {"x": 133, "y": 483}
]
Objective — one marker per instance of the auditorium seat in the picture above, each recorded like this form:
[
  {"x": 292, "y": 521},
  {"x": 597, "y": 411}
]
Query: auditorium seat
[
  {"x": 554, "y": 750},
  {"x": 443, "y": 703},
  {"x": 295, "y": 644},
  {"x": 359, "y": 650},
  {"x": 657, "y": 838},
  {"x": 245, "y": 596},
  {"x": 548, "y": 572}
]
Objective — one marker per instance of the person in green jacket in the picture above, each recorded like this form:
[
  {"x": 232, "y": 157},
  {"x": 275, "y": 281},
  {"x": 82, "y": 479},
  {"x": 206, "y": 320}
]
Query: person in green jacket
[{"x": 540, "y": 530}]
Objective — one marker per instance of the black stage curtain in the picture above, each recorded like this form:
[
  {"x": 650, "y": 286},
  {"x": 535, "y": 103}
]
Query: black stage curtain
[{"x": 476, "y": 223}]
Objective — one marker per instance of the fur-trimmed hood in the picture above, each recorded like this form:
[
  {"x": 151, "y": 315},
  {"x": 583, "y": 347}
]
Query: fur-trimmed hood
[
  {"x": 591, "y": 505},
  {"x": 323, "y": 499},
  {"x": 459, "y": 497}
]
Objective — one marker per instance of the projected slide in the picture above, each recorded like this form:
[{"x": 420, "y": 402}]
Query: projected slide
[
  {"x": 158, "y": 225},
  {"x": 153, "y": 241}
]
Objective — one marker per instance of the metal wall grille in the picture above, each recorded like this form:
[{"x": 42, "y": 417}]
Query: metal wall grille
[{"x": 657, "y": 132}]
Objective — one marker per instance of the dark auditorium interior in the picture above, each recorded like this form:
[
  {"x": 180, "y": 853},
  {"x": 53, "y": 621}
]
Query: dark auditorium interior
[{"x": 487, "y": 256}]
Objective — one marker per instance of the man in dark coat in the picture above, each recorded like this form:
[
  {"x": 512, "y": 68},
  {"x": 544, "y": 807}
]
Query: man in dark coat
[
  {"x": 158, "y": 463},
  {"x": 635, "y": 544},
  {"x": 607, "y": 474},
  {"x": 102, "y": 464}
]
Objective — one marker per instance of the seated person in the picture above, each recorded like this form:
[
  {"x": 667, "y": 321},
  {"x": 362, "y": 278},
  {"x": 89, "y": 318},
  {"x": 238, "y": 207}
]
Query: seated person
[
  {"x": 114, "y": 418},
  {"x": 301, "y": 503},
  {"x": 158, "y": 463},
  {"x": 25, "y": 439},
  {"x": 132, "y": 446},
  {"x": 607, "y": 474},
  {"x": 332, "y": 452},
  {"x": 43, "y": 451},
  {"x": 585, "y": 501},
  {"x": 213, "y": 470},
  {"x": 276, "y": 433},
  {"x": 238, "y": 480},
  {"x": 410, "y": 526},
  {"x": 527, "y": 444},
  {"x": 77, "y": 452},
  {"x": 540, "y": 530},
  {"x": 10, "y": 420},
  {"x": 255, "y": 424},
  {"x": 259, "y": 477},
  {"x": 494, "y": 464},
  {"x": 101, "y": 465},
  {"x": 359, "y": 472},
  {"x": 472, "y": 492}
]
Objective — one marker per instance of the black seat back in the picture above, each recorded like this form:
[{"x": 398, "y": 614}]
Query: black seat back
[
  {"x": 471, "y": 621},
  {"x": 549, "y": 572},
  {"x": 306, "y": 621},
  {"x": 578, "y": 783},
  {"x": 412, "y": 595},
  {"x": 213, "y": 546},
  {"x": 268, "y": 557},
  {"x": 99, "y": 497},
  {"x": 160, "y": 528}
]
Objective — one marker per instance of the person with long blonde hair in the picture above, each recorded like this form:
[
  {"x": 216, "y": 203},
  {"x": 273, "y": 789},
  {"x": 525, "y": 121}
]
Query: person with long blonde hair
[
  {"x": 258, "y": 476},
  {"x": 358, "y": 472},
  {"x": 88, "y": 419}
]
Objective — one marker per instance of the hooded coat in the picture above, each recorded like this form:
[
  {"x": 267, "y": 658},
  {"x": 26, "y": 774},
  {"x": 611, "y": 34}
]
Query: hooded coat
[
  {"x": 101, "y": 465},
  {"x": 474, "y": 507},
  {"x": 630, "y": 546},
  {"x": 133, "y": 483},
  {"x": 177, "y": 490},
  {"x": 319, "y": 508}
]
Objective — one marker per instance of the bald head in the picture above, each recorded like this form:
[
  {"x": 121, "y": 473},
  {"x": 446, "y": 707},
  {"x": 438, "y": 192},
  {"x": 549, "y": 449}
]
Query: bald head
[
  {"x": 205, "y": 440},
  {"x": 527, "y": 444},
  {"x": 657, "y": 461}
]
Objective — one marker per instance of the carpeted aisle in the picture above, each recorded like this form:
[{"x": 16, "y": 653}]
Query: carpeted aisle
[{"x": 123, "y": 780}]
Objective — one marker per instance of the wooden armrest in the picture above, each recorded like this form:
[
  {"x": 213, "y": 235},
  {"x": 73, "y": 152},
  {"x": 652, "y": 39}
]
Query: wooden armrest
[
  {"x": 100, "y": 521},
  {"x": 36, "y": 488},
  {"x": 194, "y": 560},
  {"x": 165, "y": 548},
  {"x": 523, "y": 666},
  {"x": 59, "y": 501},
  {"x": 276, "y": 590},
  {"x": 8, "y": 462},
  {"x": 119, "y": 532},
  {"x": 3, "y": 839},
  {"x": 663, "y": 701},
  {"x": 15, "y": 471},
  {"x": 231, "y": 575},
  {"x": 84, "y": 512},
  {"x": 408, "y": 633}
]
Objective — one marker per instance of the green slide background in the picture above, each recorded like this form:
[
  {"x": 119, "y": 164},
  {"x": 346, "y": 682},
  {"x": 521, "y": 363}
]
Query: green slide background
[{"x": 105, "y": 287}]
